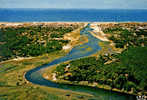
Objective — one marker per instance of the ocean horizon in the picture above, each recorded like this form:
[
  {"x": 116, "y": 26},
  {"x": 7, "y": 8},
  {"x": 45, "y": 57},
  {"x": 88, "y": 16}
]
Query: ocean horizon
[{"x": 72, "y": 15}]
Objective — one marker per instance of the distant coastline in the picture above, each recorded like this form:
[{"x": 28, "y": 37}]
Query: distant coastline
[{"x": 37, "y": 23}]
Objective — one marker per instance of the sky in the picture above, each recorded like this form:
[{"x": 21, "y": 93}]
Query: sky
[{"x": 94, "y": 4}]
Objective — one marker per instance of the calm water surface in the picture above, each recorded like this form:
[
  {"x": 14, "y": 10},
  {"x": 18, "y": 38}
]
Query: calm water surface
[{"x": 72, "y": 15}]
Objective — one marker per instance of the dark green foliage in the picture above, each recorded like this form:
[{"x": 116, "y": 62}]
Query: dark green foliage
[
  {"x": 60, "y": 70},
  {"x": 125, "y": 38},
  {"x": 135, "y": 61},
  {"x": 82, "y": 68},
  {"x": 31, "y": 40},
  {"x": 110, "y": 30},
  {"x": 56, "y": 35}
]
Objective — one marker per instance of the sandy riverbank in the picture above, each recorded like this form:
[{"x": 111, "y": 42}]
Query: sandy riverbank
[{"x": 97, "y": 32}]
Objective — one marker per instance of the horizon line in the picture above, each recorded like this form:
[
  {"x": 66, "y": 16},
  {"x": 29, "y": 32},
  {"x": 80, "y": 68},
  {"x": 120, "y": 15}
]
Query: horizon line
[{"x": 85, "y": 8}]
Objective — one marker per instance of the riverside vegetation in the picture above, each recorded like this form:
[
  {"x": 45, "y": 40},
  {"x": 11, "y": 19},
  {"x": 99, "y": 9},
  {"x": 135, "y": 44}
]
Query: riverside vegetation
[{"x": 124, "y": 72}]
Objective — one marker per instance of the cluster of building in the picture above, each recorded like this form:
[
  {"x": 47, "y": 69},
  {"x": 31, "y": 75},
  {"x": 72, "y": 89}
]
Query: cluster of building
[{"x": 129, "y": 25}]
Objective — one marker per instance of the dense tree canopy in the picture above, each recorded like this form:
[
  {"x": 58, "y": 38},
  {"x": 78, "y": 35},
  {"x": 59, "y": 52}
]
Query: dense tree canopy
[
  {"x": 32, "y": 40},
  {"x": 125, "y": 38}
]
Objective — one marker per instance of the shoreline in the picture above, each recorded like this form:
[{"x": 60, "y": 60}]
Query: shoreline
[
  {"x": 9, "y": 24},
  {"x": 32, "y": 23},
  {"x": 101, "y": 22}
]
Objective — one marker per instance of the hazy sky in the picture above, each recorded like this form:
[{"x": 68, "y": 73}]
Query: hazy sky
[{"x": 98, "y": 4}]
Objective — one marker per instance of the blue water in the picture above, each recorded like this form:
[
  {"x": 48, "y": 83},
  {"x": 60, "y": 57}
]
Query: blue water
[
  {"x": 35, "y": 75},
  {"x": 71, "y": 15}
]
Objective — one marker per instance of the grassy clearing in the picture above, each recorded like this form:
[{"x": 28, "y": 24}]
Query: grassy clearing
[
  {"x": 13, "y": 85},
  {"x": 107, "y": 48}
]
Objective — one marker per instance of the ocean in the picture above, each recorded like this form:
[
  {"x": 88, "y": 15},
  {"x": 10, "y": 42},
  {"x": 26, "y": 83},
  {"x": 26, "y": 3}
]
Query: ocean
[{"x": 72, "y": 15}]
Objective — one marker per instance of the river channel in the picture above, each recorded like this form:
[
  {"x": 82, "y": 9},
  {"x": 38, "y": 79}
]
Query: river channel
[{"x": 35, "y": 75}]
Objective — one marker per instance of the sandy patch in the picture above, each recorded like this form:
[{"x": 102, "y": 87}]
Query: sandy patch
[
  {"x": 66, "y": 47},
  {"x": 97, "y": 32}
]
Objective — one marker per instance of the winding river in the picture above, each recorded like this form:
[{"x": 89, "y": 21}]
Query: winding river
[{"x": 87, "y": 49}]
